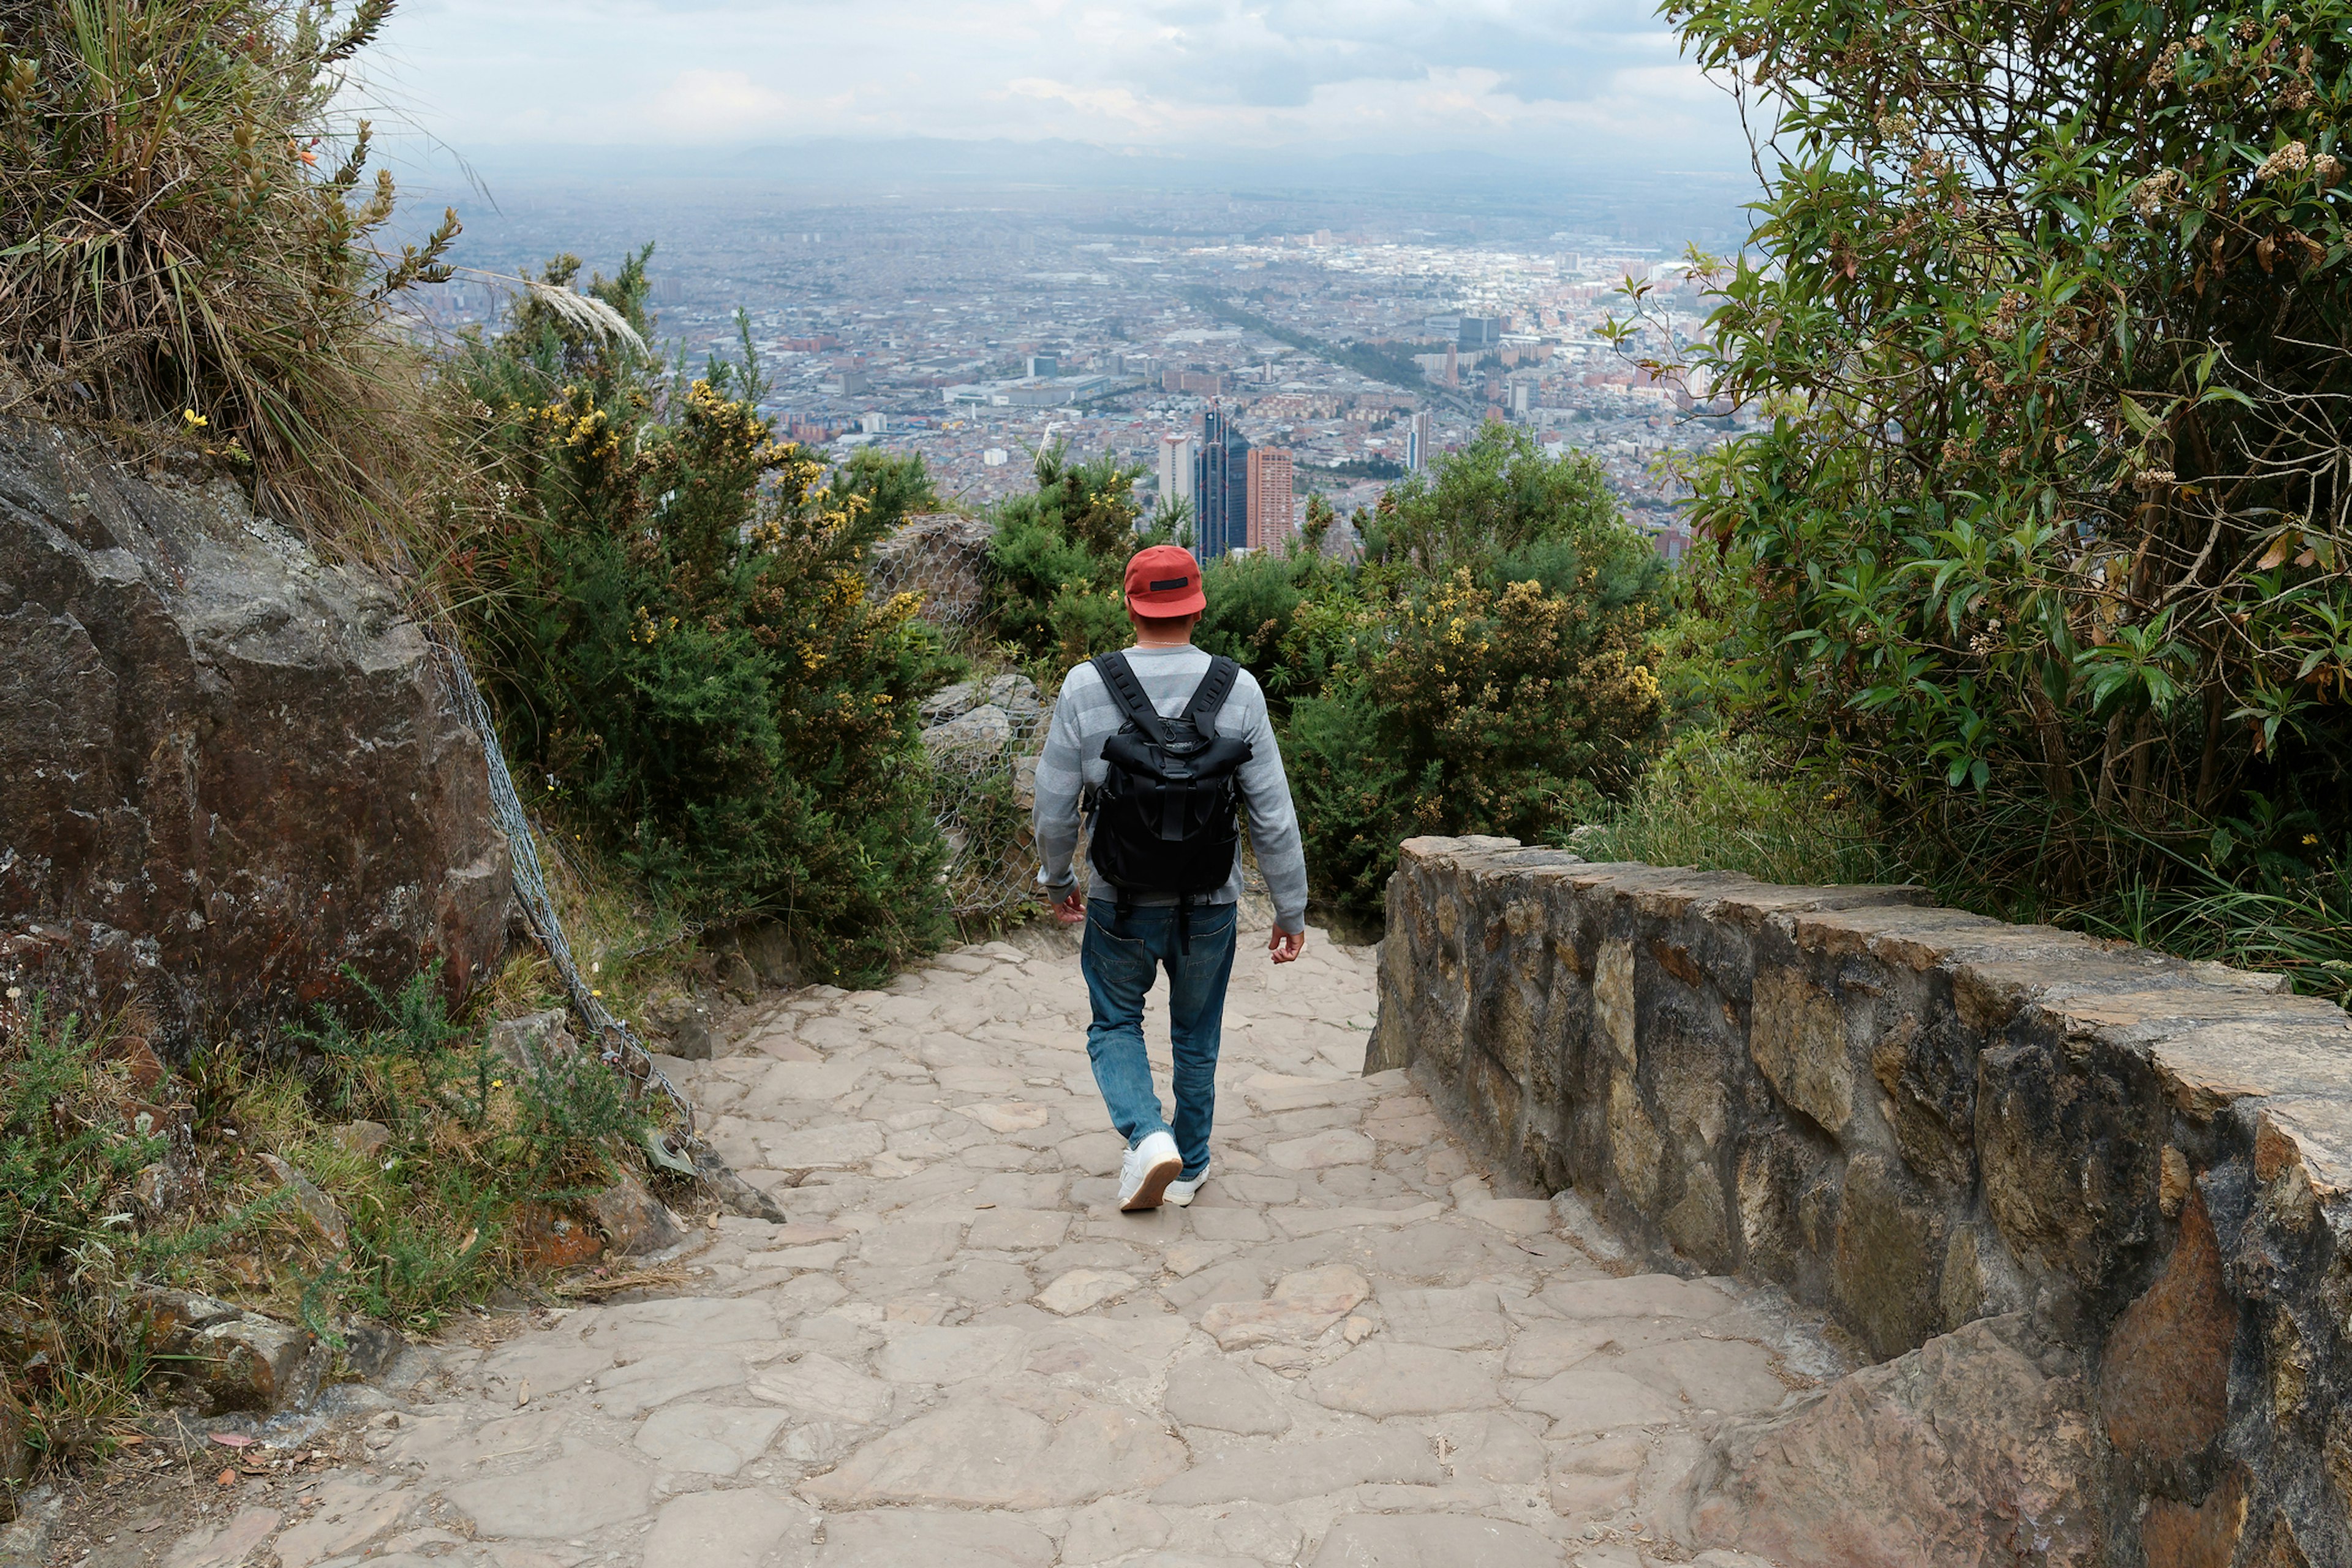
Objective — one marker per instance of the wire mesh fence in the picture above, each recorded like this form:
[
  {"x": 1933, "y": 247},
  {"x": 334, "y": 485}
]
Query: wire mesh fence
[
  {"x": 983, "y": 735},
  {"x": 616, "y": 1042}
]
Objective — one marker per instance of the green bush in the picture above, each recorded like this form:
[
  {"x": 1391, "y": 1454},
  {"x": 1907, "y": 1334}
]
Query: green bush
[
  {"x": 678, "y": 636},
  {"x": 2043, "y": 547},
  {"x": 1058, "y": 563},
  {"x": 1487, "y": 666},
  {"x": 475, "y": 1139},
  {"x": 184, "y": 252},
  {"x": 1490, "y": 668}
]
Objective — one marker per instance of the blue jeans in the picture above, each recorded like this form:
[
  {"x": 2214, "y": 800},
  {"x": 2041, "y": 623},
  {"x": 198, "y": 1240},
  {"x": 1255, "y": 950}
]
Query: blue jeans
[{"x": 1120, "y": 958}]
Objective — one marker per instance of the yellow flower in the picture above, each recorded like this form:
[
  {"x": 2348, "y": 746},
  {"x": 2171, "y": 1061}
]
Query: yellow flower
[
  {"x": 193, "y": 420},
  {"x": 2311, "y": 838},
  {"x": 497, "y": 1083}
]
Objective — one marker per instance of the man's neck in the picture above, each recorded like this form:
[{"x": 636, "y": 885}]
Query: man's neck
[{"x": 1144, "y": 644}]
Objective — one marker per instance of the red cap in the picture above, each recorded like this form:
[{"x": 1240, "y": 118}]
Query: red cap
[{"x": 1165, "y": 581}]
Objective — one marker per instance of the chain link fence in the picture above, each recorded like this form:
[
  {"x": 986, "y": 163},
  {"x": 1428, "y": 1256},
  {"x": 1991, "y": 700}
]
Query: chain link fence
[{"x": 983, "y": 735}]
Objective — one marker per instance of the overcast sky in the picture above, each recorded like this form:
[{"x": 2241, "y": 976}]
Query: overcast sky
[{"x": 1567, "y": 81}]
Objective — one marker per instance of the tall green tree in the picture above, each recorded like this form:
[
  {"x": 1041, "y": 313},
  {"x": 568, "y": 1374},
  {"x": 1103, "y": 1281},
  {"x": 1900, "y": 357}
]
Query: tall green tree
[{"x": 2046, "y": 541}]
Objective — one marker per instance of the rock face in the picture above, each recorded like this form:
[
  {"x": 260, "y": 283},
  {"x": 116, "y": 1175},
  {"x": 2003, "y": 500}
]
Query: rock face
[
  {"x": 227, "y": 769},
  {"x": 1961, "y": 1451},
  {"x": 1922, "y": 1120}
]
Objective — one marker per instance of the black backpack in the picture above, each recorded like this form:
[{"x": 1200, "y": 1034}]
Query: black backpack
[{"x": 1166, "y": 816}]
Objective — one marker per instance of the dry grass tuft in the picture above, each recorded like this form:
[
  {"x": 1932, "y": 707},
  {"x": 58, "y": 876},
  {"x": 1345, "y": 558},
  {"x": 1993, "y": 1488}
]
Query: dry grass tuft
[{"x": 186, "y": 251}]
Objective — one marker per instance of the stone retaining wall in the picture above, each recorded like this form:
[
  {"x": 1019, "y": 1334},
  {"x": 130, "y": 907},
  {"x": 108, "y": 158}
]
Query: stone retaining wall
[{"x": 1914, "y": 1117}]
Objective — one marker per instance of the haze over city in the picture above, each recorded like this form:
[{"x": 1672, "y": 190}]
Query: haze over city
[{"x": 1349, "y": 237}]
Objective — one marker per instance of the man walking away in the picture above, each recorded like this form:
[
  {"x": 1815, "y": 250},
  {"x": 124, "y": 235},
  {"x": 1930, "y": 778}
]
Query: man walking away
[{"x": 1159, "y": 745}]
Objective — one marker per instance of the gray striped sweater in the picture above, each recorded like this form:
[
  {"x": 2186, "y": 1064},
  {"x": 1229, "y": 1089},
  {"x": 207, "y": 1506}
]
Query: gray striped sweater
[{"x": 1086, "y": 717}]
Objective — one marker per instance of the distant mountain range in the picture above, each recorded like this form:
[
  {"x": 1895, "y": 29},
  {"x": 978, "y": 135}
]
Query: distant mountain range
[{"x": 934, "y": 161}]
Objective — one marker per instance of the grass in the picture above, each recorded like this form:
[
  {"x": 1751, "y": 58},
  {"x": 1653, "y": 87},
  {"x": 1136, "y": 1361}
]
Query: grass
[
  {"x": 1721, "y": 804},
  {"x": 1713, "y": 803},
  {"x": 187, "y": 254},
  {"x": 471, "y": 1141}
]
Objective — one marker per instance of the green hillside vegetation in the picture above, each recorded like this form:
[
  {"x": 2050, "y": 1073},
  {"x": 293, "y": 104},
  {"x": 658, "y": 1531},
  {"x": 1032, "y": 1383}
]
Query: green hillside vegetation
[
  {"x": 675, "y": 629},
  {"x": 1488, "y": 666},
  {"x": 2042, "y": 557}
]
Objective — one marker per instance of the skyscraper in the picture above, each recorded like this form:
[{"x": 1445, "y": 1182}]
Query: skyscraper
[
  {"x": 1420, "y": 439},
  {"x": 1175, "y": 469},
  {"x": 1272, "y": 508},
  {"x": 1219, "y": 486}
]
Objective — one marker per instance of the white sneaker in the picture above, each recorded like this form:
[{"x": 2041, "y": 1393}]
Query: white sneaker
[
  {"x": 1179, "y": 1192},
  {"x": 1149, "y": 1169}
]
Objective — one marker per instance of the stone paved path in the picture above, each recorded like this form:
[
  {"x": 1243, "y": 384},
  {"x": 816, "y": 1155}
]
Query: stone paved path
[{"x": 1348, "y": 1350}]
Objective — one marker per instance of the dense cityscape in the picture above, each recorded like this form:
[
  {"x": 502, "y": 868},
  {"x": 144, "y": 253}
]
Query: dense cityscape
[{"x": 1241, "y": 354}]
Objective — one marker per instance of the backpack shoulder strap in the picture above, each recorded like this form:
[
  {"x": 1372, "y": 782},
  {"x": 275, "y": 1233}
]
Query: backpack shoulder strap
[
  {"x": 1209, "y": 697},
  {"x": 1127, "y": 692}
]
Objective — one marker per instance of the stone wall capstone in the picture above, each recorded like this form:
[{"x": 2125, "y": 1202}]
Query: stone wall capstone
[{"x": 1917, "y": 1120}]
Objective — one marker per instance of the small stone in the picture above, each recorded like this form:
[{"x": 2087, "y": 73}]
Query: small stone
[
  {"x": 364, "y": 1138},
  {"x": 711, "y": 1440},
  {"x": 319, "y": 1211},
  {"x": 1356, "y": 1329},
  {"x": 1391, "y": 1379},
  {"x": 1011, "y": 1116},
  {"x": 684, "y": 1025},
  {"x": 1238, "y": 1325},
  {"x": 1210, "y": 1391},
  {"x": 739, "y": 1529},
  {"x": 2164, "y": 1386},
  {"x": 547, "y": 1240},
  {"x": 635, "y": 1222},
  {"x": 818, "y": 1386},
  {"x": 253, "y": 1363},
  {"x": 1318, "y": 1150},
  {"x": 577, "y": 1494},
  {"x": 1113, "y": 1528},
  {"x": 142, "y": 1064},
  {"x": 532, "y": 1039},
  {"x": 1433, "y": 1541},
  {"x": 2173, "y": 1181},
  {"x": 1083, "y": 1288}
]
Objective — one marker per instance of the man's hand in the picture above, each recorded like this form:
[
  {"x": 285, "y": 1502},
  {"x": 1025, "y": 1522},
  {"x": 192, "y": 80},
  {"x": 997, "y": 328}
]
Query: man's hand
[
  {"x": 1071, "y": 909},
  {"x": 1286, "y": 945}
]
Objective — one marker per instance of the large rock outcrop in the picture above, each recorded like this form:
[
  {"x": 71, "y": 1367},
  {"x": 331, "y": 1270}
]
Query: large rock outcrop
[
  {"x": 229, "y": 769},
  {"x": 1959, "y": 1137}
]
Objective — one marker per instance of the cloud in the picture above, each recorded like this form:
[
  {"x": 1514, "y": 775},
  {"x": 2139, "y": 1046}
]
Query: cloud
[{"x": 1496, "y": 75}]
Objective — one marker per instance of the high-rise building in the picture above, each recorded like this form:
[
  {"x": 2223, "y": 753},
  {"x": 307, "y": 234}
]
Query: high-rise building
[
  {"x": 1045, "y": 365},
  {"x": 1272, "y": 508},
  {"x": 1219, "y": 486},
  {"x": 1452, "y": 365},
  {"x": 1420, "y": 441},
  {"x": 1175, "y": 469}
]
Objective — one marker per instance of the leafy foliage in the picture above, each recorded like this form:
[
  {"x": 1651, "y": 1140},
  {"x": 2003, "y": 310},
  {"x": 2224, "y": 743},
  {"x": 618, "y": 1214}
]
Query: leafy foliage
[
  {"x": 1059, "y": 560},
  {"x": 680, "y": 637},
  {"x": 2046, "y": 545},
  {"x": 176, "y": 256},
  {"x": 1486, "y": 667}
]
